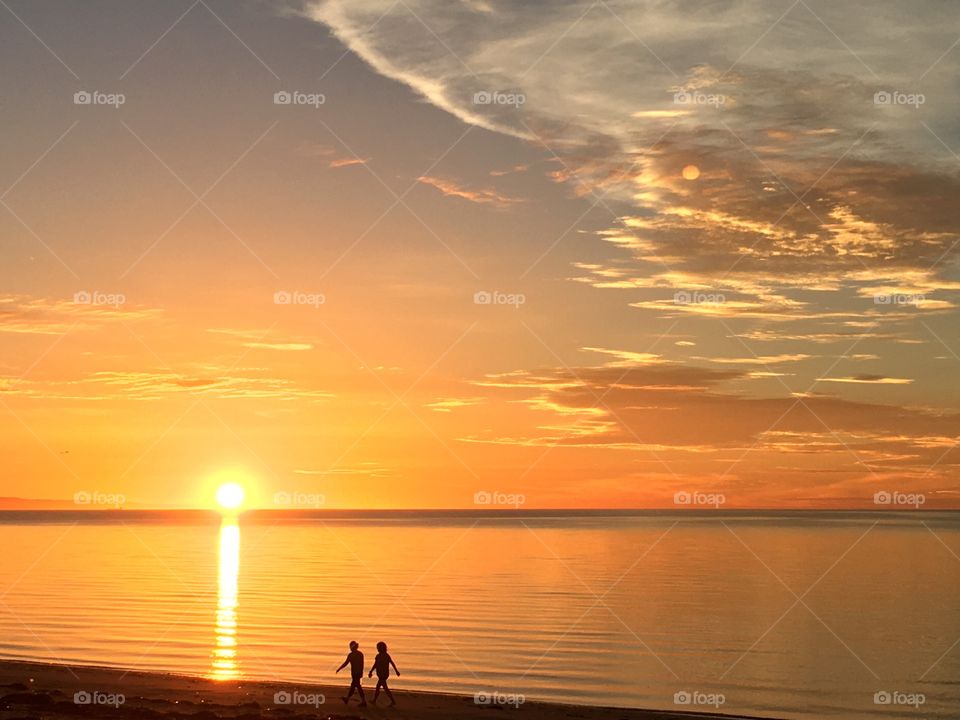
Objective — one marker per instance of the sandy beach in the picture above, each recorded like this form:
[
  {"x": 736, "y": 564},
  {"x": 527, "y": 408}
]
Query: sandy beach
[{"x": 49, "y": 692}]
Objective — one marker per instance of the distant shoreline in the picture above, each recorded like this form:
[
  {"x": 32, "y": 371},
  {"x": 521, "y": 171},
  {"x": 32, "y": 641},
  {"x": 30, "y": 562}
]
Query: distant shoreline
[
  {"x": 29, "y": 688},
  {"x": 254, "y": 517}
]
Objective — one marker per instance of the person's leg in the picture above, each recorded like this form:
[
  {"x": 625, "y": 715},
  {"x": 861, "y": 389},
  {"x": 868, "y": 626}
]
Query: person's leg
[
  {"x": 349, "y": 692},
  {"x": 363, "y": 700},
  {"x": 389, "y": 694},
  {"x": 376, "y": 692}
]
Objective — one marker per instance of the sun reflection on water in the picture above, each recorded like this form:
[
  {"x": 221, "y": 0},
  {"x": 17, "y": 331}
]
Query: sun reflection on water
[{"x": 225, "y": 665}]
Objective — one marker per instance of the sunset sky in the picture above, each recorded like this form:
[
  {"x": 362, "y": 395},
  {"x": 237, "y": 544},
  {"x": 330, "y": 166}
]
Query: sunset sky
[{"x": 719, "y": 239}]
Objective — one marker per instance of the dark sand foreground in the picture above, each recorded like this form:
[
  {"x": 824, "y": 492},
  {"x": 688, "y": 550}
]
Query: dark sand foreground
[{"x": 38, "y": 691}]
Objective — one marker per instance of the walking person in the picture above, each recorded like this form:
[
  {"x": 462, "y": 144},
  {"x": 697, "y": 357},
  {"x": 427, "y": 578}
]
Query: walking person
[
  {"x": 382, "y": 664},
  {"x": 355, "y": 661}
]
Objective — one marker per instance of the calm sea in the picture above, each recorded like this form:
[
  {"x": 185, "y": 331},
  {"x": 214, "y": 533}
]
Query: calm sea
[{"x": 775, "y": 614}]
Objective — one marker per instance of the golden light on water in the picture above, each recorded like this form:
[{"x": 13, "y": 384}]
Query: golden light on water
[{"x": 225, "y": 663}]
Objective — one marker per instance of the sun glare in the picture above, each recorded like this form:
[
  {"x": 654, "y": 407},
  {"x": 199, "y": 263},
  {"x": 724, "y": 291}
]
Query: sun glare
[{"x": 230, "y": 496}]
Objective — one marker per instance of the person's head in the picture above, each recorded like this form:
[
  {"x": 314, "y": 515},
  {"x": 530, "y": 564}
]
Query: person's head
[
  {"x": 354, "y": 644},
  {"x": 381, "y": 646}
]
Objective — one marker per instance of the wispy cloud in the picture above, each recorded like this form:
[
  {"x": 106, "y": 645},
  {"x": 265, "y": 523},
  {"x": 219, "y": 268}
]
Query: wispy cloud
[
  {"x": 511, "y": 170},
  {"x": 483, "y": 196},
  {"x": 30, "y": 315},
  {"x": 364, "y": 469},
  {"x": 159, "y": 384},
  {"x": 446, "y": 405},
  {"x": 258, "y": 340},
  {"x": 626, "y": 357},
  {"x": 867, "y": 380},
  {"x": 280, "y": 346},
  {"x": 348, "y": 161},
  {"x": 758, "y": 360}
]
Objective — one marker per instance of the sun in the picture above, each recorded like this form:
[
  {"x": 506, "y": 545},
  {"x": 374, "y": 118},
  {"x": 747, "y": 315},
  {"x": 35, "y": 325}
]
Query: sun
[
  {"x": 690, "y": 172},
  {"x": 230, "y": 496}
]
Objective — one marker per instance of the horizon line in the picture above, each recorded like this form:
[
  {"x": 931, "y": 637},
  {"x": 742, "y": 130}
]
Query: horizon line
[{"x": 480, "y": 510}]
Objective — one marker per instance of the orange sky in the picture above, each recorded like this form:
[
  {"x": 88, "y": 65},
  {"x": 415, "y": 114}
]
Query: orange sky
[{"x": 488, "y": 255}]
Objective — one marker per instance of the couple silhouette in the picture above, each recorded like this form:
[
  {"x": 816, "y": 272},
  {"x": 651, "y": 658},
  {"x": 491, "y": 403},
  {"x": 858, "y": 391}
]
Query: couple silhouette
[{"x": 381, "y": 664}]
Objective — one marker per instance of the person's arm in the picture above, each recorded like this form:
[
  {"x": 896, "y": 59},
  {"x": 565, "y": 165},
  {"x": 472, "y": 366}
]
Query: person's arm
[
  {"x": 345, "y": 663},
  {"x": 394, "y": 667}
]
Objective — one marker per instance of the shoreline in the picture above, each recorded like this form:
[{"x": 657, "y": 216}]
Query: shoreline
[{"x": 37, "y": 689}]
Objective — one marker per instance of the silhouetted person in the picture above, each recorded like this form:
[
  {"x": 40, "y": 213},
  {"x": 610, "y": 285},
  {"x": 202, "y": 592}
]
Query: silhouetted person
[
  {"x": 355, "y": 661},
  {"x": 382, "y": 664}
]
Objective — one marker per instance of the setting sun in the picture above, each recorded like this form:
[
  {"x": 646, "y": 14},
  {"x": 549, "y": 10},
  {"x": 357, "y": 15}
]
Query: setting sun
[{"x": 230, "y": 496}]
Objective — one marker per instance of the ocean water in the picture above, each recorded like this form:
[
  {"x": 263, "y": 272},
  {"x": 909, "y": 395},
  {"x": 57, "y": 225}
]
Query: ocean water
[{"x": 788, "y": 615}]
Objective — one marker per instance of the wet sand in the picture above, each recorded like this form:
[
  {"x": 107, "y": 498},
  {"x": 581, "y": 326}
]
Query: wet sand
[{"x": 50, "y": 692}]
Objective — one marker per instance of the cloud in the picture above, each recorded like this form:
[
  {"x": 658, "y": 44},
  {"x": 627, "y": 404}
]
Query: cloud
[
  {"x": 482, "y": 196},
  {"x": 158, "y": 384},
  {"x": 819, "y": 216},
  {"x": 762, "y": 335},
  {"x": 348, "y": 161},
  {"x": 805, "y": 180},
  {"x": 515, "y": 169},
  {"x": 868, "y": 380},
  {"x": 283, "y": 347},
  {"x": 446, "y": 405},
  {"x": 364, "y": 469},
  {"x": 626, "y": 357},
  {"x": 257, "y": 339},
  {"x": 694, "y": 419},
  {"x": 28, "y": 315},
  {"x": 672, "y": 377},
  {"x": 759, "y": 360}
]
